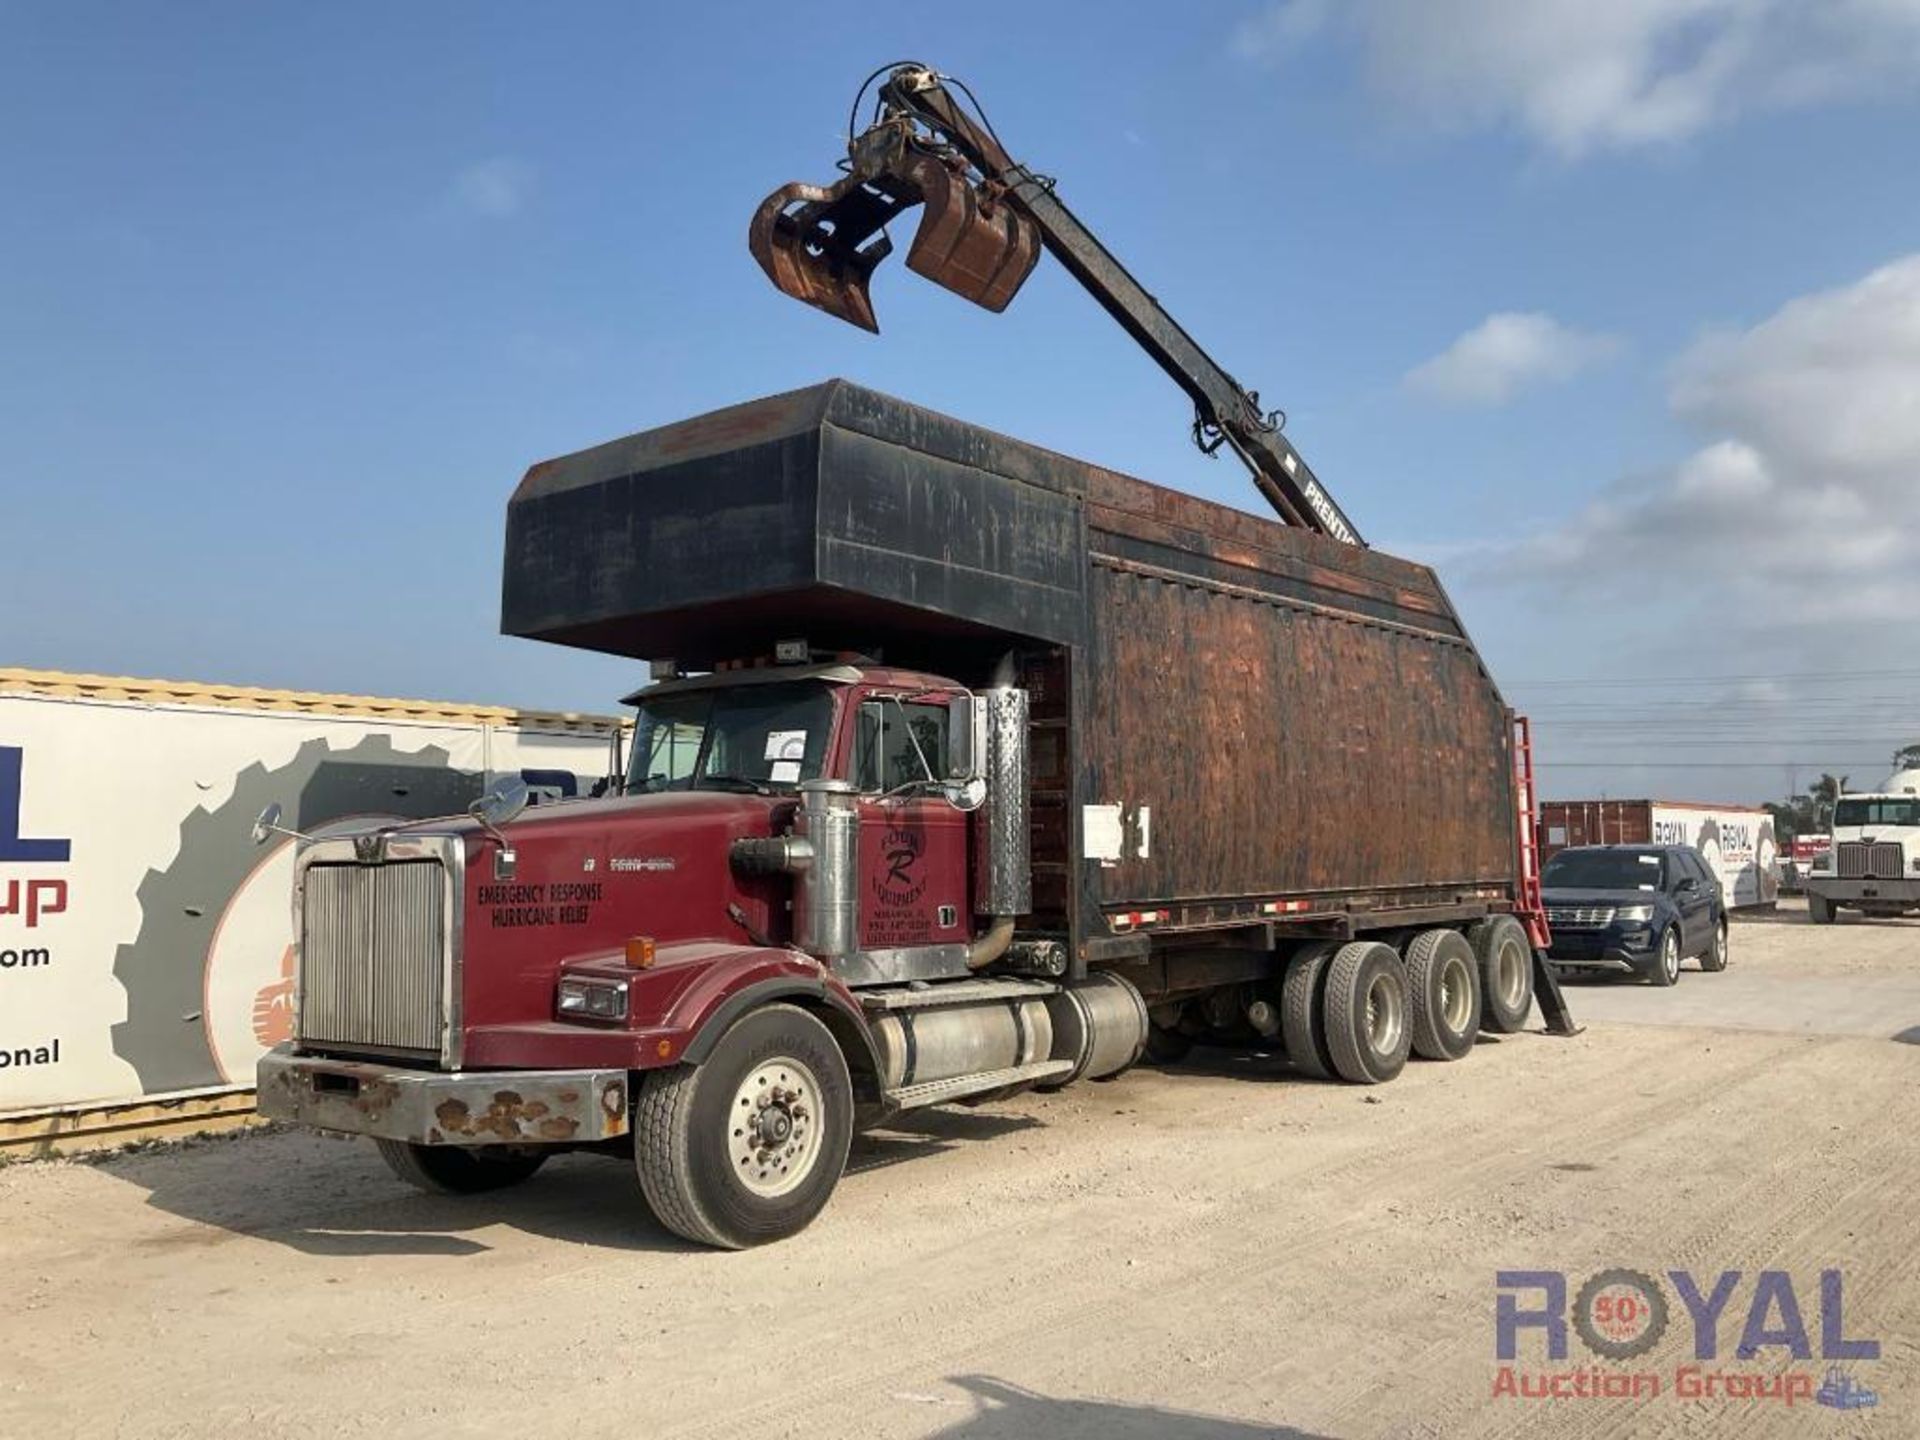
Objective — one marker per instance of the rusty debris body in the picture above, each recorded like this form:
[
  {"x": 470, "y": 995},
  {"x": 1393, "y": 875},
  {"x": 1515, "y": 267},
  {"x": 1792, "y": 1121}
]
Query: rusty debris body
[{"x": 1274, "y": 713}]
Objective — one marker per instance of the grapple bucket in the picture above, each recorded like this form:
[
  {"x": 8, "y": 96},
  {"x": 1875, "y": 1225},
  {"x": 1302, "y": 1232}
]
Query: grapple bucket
[{"x": 820, "y": 245}]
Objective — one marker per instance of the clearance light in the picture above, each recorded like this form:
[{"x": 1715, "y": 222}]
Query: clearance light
[{"x": 640, "y": 952}]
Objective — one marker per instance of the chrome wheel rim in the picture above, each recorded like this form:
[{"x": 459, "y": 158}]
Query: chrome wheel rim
[
  {"x": 1511, "y": 964},
  {"x": 1386, "y": 1014},
  {"x": 1720, "y": 943},
  {"x": 773, "y": 1127},
  {"x": 1670, "y": 955},
  {"x": 1456, "y": 995}
]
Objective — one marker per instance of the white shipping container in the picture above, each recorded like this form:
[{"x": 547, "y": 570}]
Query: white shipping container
[{"x": 145, "y": 941}]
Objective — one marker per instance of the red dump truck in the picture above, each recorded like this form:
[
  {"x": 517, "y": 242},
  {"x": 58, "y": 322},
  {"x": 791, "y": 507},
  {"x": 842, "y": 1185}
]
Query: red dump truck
[{"x": 966, "y": 768}]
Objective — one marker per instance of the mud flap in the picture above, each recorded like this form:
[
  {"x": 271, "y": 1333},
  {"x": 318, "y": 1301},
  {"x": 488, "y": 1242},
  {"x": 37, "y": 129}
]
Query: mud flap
[{"x": 1553, "y": 1005}]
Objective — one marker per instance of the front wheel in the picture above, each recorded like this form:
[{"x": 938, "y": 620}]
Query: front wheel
[
  {"x": 459, "y": 1169},
  {"x": 1715, "y": 957},
  {"x": 1666, "y": 965},
  {"x": 747, "y": 1146},
  {"x": 1820, "y": 910}
]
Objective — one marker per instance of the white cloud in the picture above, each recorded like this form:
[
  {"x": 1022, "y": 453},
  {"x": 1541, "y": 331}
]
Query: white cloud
[
  {"x": 1582, "y": 75},
  {"x": 1504, "y": 353},
  {"x": 496, "y": 188},
  {"x": 1804, "y": 506}
]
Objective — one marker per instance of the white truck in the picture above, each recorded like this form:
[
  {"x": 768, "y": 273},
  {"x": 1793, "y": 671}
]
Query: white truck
[{"x": 1874, "y": 865}]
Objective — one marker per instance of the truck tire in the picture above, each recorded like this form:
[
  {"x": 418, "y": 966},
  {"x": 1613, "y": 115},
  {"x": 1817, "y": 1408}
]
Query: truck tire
[
  {"x": 1303, "y": 1026},
  {"x": 1820, "y": 910},
  {"x": 1366, "y": 1013},
  {"x": 459, "y": 1169},
  {"x": 1443, "y": 994},
  {"x": 1713, "y": 959},
  {"x": 1506, "y": 974},
  {"x": 747, "y": 1146}
]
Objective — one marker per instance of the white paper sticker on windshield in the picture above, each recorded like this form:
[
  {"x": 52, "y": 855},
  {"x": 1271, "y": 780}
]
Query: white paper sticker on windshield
[
  {"x": 784, "y": 772},
  {"x": 786, "y": 745},
  {"x": 1648, "y": 859},
  {"x": 1101, "y": 835}
]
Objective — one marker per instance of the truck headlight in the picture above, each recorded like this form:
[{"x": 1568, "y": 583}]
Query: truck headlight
[
  {"x": 1633, "y": 914},
  {"x": 598, "y": 999},
  {"x": 1822, "y": 862}
]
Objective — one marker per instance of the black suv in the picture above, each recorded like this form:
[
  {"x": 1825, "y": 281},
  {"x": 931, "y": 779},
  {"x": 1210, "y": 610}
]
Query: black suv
[{"x": 1638, "y": 908}]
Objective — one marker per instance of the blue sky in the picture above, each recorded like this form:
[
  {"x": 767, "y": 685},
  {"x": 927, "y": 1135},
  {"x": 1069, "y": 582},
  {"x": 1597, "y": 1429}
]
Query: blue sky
[{"x": 292, "y": 294}]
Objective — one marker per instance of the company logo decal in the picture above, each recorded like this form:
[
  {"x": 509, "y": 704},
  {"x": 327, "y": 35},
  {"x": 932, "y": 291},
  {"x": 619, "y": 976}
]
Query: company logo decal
[{"x": 1621, "y": 1315}]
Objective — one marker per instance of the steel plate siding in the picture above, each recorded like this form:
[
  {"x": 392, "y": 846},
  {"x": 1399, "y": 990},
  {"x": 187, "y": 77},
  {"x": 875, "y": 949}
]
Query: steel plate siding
[
  {"x": 373, "y": 951},
  {"x": 1286, "y": 748}
]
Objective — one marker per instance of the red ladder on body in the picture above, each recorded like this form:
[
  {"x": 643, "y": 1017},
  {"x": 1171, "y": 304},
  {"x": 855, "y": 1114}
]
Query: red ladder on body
[{"x": 1533, "y": 912}]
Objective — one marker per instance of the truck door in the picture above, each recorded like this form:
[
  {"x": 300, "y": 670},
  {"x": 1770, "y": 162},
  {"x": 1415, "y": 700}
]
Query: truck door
[{"x": 913, "y": 844}]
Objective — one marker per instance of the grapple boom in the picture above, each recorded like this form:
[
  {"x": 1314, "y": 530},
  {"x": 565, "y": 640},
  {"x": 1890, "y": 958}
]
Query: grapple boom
[
  {"x": 987, "y": 220},
  {"x": 820, "y": 244}
]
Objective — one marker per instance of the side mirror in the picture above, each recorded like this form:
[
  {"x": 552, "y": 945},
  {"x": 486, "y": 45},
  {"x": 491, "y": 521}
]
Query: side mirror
[
  {"x": 968, "y": 794},
  {"x": 502, "y": 803},
  {"x": 1685, "y": 885},
  {"x": 499, "y": 806},
  {"x": 966, "y": 741},
  {"x": 268, "y": 824}
]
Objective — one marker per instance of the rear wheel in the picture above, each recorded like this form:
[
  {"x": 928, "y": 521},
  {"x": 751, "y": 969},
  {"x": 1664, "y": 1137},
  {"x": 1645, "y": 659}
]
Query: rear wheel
[
  {"x": 1666, "y": 965},
  {"x": 1443, "y": 994},
  {"x": 1714, "y": 957},
  {"x": 458, "y": 1169},
  {"x": 1506, "y": 974},
  {"x": 1303, "y": 1027},
  {"x": 1820, "y": 910},
  {"x": 1366, "y": 1013},
  {"x": 747, "y": 1146}
]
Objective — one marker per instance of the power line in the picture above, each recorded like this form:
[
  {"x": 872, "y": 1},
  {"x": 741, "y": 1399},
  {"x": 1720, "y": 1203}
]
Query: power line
[
  {"x": 1754, "y": 678},
  {"x": 1548, "y": 765}
]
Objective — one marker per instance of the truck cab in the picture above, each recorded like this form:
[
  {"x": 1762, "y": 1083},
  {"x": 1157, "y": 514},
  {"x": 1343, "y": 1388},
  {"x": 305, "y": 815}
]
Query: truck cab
[
  {"x": 786, "y": 897},
  {"x": 1873, "y": 865}
]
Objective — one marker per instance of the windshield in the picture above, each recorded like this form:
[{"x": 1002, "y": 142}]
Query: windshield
[
  {"x": 1903, "y": 811},
  {"x": 752, "y": 738},
  {"x": 1604, "y": 870}
]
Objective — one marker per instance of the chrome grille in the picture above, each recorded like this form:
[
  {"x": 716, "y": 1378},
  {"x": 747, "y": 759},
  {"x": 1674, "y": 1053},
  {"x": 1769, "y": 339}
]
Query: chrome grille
[
  {"x": 1859, "y": 860},
  {"x": 373, "y": 955},
  {"x": 1579, "y": 917}
]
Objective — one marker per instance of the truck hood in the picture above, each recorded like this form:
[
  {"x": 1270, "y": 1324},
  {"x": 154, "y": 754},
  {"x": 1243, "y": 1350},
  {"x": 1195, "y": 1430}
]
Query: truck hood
[{"x": 628, "y": 816}]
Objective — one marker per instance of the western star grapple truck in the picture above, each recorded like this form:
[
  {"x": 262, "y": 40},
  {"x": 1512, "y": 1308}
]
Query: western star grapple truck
[{"x": 967, "y": 768}]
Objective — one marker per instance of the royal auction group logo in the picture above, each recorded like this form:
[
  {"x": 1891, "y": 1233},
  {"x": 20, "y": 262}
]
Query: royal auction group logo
[{"x": 1621, "y": 1315}]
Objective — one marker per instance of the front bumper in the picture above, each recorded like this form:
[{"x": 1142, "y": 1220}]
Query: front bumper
[
  {"x": 1852, "y": 892},
  {"x": 1603, "y": 950},
  {"x": 430, "y": 1107}
]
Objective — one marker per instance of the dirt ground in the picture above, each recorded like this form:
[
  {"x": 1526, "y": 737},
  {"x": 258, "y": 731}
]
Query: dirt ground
[{"x": 1218, "y": 1251}]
